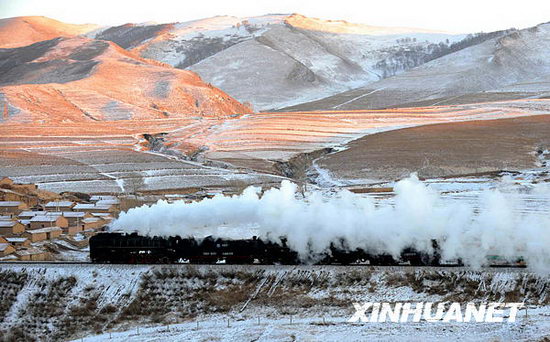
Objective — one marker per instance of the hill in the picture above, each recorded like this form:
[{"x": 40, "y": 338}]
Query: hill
[
  {"x": 22, "y": 31},
  {"x": 516, "y": 65},
  {"x": 273, "y": 61},
  {"x": 80, "y": 79}
]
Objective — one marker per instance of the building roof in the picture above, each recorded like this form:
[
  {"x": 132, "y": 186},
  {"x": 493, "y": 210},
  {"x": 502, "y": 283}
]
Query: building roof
[
  {"x": 96, "y": 198},
  {"x": 81, "y": 206},
  {"x": 43, "y": 230},
  {"x": 16, "y": 239},
  {"x": 8, "y": 218},
  {"x": 5, "y": 224},
  {"x": 55, "y": 204},
  {"x": 108, "y": 202},
  {"x": 45, "y": 218},
  {"x": 3, "y": 246},
  {"x": 102, "y": 215},
  {"x": 64, "y": 213},
  {"x": 28, "y": 213},
  {"x": 10, "y": 203},
  {"x": 91, "y": 219},
  {"x": 24, "y": 221}
]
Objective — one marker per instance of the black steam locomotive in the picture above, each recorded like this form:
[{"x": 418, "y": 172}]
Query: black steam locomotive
[{"x": 136, "y": 249}]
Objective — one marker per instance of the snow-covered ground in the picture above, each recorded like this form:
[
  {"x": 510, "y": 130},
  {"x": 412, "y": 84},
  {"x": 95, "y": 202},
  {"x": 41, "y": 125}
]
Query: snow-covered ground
[
  {"x": 261, "y": 303},
  {"x": 527, "y": 328}
]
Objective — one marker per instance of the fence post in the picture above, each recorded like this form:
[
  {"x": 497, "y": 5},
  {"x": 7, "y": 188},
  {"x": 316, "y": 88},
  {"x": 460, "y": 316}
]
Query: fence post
[
  {"x": 228, "y": 322},
  {"x": 290, "y": 319}
]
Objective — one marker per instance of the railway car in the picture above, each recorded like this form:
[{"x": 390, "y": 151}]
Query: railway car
[{"x": 133, "y": 248}]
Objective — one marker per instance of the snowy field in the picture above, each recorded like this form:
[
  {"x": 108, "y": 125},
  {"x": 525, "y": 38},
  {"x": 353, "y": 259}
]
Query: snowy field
[{"x": 527, "y": 328}]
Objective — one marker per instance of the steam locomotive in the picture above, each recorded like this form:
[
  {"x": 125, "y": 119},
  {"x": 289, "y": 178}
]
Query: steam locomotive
[{"x": 132, "y": 248}]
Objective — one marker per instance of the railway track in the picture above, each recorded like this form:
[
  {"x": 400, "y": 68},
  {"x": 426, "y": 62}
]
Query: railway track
[{"x": 264, "y": 266}]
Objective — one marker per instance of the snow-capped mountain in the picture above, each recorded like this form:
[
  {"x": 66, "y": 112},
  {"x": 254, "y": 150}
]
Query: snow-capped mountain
[
  {"x": 514, "y": 65},
  {"x": 273, "y": 61}
]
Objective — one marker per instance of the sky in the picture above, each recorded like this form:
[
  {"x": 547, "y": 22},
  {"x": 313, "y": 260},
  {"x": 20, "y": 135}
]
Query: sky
[{"x": 452, "y": 16}]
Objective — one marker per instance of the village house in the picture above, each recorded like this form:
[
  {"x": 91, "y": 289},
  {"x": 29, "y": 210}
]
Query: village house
[
  {"x": 93, "y": 223},
  {"x": 26, "y": 223},
  {"x": 11, "y": 228},
  {"x": 12, "y": 207},
  {"x": 44, "y": 221},
  {"x": 93, "y": 208},
  {"x": 42, "y": 234},
  {"x": 27, "y": 214},
  {"x": 6, "y": 249},
  {"x": 105, "y": 216},
  {"x": 32, "y": 254},
  {"x": 59, "y": 206},
  {"x": 9, "y": 217},
  {"x": 75, "y": 217},
  {"x": 19, "y": 242},
  {"x": 35, "y": 235},
  {"x": 72, "y": 230},
  {"x": 96, "y": 198}
]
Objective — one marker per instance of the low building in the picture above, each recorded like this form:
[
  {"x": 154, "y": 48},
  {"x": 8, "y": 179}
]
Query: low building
[
  {"x": 96, "y": 198},
  {"x": 73, "y": 230},
  {"x": 12, "y": 207},
  {"x": 32, "y": 254},
  {"x": 59, "y": 206},
  {"x": 6, "y": 249},
  {"x": 104, "y": 216},
  {"x": 28, "y": 214},
  {"x": 93, "y": 223},
  {"x": 26, "y": 223},
  {"x": 11, "y": 228},
  {"x": 94, "y": 208},
  {"x": 18, "y": 241},
  {"x": 75, "y": 217},
  {"x": 38, "y": 222},
  {"x": 36, "y": 235},
  {"x": 7, "y": 217},
  {"x": 42, "y": 234}
]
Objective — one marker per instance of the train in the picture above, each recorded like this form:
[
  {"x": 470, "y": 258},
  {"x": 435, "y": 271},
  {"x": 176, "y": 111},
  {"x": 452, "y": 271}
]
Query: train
[{"x": 132, "y": 248}]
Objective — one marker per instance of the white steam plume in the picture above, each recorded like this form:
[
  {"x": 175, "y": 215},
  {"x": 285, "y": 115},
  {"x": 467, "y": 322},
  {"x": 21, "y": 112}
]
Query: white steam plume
[{"x": 310, "y": 224}]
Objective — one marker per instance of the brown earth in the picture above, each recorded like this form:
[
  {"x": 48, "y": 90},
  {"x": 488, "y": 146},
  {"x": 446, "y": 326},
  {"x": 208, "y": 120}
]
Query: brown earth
[{"x": 444, "y": 149}]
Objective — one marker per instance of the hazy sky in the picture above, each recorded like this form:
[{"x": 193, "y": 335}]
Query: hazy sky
[{"x": 454, "y": 16}]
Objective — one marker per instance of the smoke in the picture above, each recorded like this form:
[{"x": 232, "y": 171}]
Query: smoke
[{"x": 310, "y": 223}]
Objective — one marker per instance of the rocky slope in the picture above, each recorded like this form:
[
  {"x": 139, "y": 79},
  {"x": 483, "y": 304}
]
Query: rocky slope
[{"x": 80, "y": 79}]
